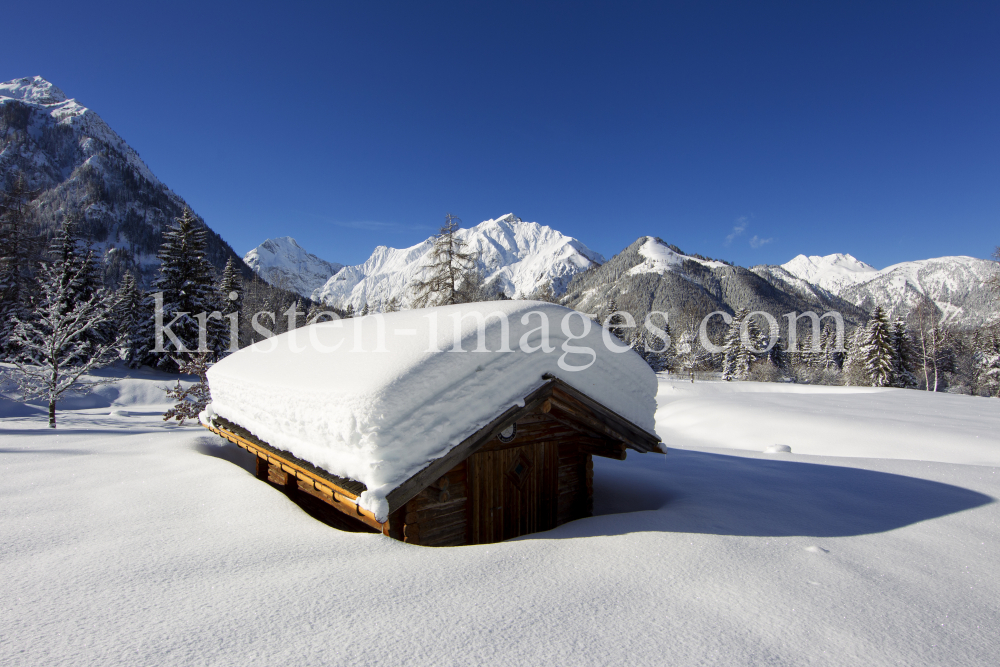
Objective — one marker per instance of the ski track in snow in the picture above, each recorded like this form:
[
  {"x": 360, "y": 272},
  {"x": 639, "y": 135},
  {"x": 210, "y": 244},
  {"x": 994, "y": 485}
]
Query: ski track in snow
[{"x": 126, "y": 541}]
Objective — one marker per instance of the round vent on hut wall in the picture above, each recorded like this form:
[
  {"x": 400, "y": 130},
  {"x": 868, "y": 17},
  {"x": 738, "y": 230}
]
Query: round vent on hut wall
[{"x": 508, "y": 433}]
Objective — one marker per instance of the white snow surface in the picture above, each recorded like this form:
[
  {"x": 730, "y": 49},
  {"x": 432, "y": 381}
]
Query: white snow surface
[
  {"x": 332, "y": 394},
  {"x": 284, "y": 263},
  {"x": 660, "y": 259},
  {"x": 135, "y": 542},
  {"x": 521, "y": 256}
]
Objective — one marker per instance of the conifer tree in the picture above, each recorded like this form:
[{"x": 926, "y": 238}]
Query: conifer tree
[
  {"x": 878, "y": 351},
  {"x": 231, "y": 302},
  {"x": 831, "y": 359},
  {"x": 186, "y": 283},
  {"x": 230, "y": 289},
  {"x": 988, "y": 358},
  {"x": 364, "y": 311},
  {"x": 736, "y": 358},
  {"x": 614, "y": 322},
  {"x": 778, "y": 357},
  {"x": 128, "y": 316},
  {"x": 70, "y": 258},
  {"x": 19, "y": 250},
  {"x": 854, "y": 367},
  {"x": 904, "y": 354},
  {"x": 451, "y": 271},
  {"x": 653, "y": 349}
]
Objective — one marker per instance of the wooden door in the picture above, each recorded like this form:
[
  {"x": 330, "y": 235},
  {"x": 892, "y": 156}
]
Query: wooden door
[{"x": 513, "y": 491}]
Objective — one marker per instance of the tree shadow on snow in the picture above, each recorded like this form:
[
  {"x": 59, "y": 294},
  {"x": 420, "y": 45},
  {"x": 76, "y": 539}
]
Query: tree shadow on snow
[{"x": 698, "y": 492}]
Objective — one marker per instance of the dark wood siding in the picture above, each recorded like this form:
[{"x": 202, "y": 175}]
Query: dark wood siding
[
  {"x": 438, "y": 515},
  {"x": 512, "y": 491}
]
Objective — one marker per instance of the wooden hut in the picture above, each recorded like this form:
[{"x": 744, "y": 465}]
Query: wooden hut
[
  {"x": 526, "y": 467},
  {"x": 528, "y": 470}
]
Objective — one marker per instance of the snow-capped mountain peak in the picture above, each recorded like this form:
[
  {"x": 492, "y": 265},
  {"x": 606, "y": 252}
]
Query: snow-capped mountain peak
[
  {"x": 659, "y": 257},
  {"x": 517, "y": 256},
  {"x": 956, "y": 285},
  {"x": 831, "y": 272},
  {"x": 46, "y": 98},
  {"x": 82, "y": 168},
  {"x": 32, "y": 89},
  {"x": 283, "y": 262}
]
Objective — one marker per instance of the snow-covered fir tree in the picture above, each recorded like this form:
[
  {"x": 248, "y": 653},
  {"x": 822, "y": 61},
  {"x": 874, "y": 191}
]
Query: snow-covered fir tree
[
  {"x": 231, "y": 303},
  {"x": 654, "y": 350},
  {"x": 68, "y": 255},
  {"x": 186, "y": 283},
  {"x": 777, "y": 357},
  {"x": 129, "y": 315},
  {"x": 230, "y": 289},
  {"x": 878, "y": 352},
  {"x": 832, "y": 359},
  {"x": 19, "y": 255},
  {"x": 54, "y": 348},
  {"x": 737, "y": 357},
  {"x": 988, "y": 361},
  {"x": 904, "y": 354},
  {"x": 614, "y": 322},
  {"x": 450, "y": 272},
  {"x": 190, "y": 401},
  {"x": 854, "y": 368}
]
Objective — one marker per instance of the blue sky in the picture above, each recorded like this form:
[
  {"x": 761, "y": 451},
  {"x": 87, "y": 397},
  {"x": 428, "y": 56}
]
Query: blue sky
[{"x": 748, "y": 131}]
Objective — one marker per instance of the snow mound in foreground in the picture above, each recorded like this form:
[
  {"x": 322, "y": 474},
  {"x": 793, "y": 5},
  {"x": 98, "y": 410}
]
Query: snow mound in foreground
[{"x": 376, "y": 398}]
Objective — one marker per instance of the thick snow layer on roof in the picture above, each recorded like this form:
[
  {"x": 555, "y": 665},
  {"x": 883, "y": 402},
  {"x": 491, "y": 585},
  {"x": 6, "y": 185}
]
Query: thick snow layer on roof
[{"x": 374, "y": 400}]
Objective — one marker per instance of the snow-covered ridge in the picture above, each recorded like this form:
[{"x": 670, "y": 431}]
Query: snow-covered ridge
[
  {"x": 659, "y": 258},
  {"x": 41, "y": 94},
  {"x": 284, "y": 263},
  {"x": 956, "y": 285},
  {"x": 63, "y": 149},
  {"x": 520, "y": 256},
  {"x": 832, "y": 272}
]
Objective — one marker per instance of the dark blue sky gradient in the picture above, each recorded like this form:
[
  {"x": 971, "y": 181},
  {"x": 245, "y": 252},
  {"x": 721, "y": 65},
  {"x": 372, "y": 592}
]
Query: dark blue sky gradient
[{"x": 871, "y": 128}]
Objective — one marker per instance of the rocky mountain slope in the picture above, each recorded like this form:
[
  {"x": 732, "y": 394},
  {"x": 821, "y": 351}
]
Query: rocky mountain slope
[
  {"x": 84, "y": 170},
  {"x": 653, "y": 275},
  {"x": 517, "y": 256},
  {"x": 958, "y": 286},
  {"x": 284, "y": 263}
]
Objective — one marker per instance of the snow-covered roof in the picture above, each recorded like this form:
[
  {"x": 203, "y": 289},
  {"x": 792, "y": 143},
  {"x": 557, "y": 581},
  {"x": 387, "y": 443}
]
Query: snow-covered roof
[{"x": 371, "y": 399}]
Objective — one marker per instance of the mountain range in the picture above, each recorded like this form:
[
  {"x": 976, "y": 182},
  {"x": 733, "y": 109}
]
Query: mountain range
[
  {"x": 650, "y": 274},
  {"x": 84, "y": 171}
]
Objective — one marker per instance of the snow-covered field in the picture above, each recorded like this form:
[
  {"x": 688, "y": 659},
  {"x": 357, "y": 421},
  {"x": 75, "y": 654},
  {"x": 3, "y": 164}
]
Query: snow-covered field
[{"x": 127, "y": 541}]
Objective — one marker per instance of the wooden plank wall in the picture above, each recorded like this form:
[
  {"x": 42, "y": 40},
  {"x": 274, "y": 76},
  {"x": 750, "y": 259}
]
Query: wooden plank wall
[
  {"x": 477, "y": 501},
  {"x": 576, "y": 483},
  {"x": 438, "y": 516},
  {"x": 500, "y": 509}
]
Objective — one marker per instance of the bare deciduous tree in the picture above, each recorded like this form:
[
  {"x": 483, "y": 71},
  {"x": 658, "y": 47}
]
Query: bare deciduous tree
[{"x": 55, "y": 351}]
